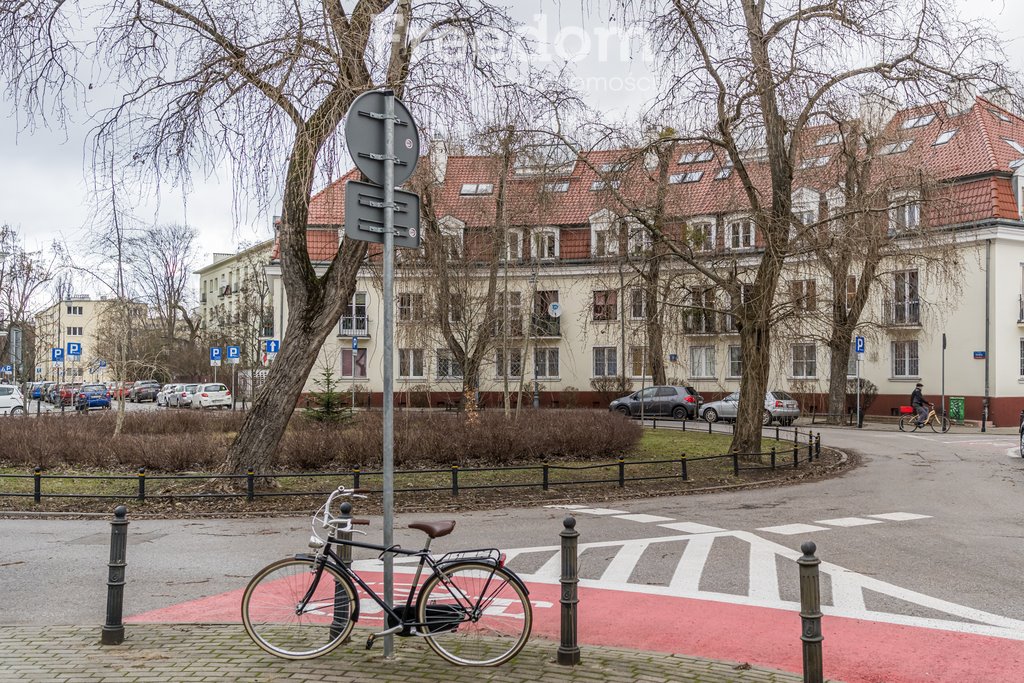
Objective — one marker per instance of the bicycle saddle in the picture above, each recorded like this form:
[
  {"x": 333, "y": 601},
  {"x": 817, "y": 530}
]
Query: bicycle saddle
[{"x": 434, "y": 529}]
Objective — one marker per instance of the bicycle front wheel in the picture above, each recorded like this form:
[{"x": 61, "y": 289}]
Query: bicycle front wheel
[
  {"x": 475, "y": 614},
  {"x": 292, "y": 613},
  {"x": 940, "y": 424}
]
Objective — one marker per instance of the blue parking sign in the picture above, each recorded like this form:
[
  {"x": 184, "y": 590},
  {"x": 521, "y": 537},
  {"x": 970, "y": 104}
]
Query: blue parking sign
[
  {"x": 355, "y": 343},
  {"x": 7, "y": 369},
  {"x": 215, "y": 352},
  {"x": 234, "y": 352},
  {"x": 74, "y": 349},
  {"x": 858, "y": 344},
  {"x": 57, "y": 354}
]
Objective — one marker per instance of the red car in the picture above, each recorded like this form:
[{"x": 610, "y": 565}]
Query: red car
[
  {"x": 67, "y": 391},
  {"x": 120, "y": 392}
]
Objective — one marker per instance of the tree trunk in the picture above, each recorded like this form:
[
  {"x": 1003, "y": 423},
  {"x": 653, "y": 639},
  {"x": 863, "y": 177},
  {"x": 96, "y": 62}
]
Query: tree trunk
[
  {"x": 755, "y": 343},
  {"x": 839, "y": 348}
]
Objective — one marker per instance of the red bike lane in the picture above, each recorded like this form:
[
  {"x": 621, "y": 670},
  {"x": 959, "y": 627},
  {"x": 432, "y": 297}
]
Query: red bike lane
[{"x": 855, "y": 650}]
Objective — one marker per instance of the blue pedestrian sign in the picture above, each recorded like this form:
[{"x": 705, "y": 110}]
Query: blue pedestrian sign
[
  {"x": 215, "y": 354},
  {"x": 234, "y": 354},
  {"x": 355, "y": 343},
  {"x": 57, "y": 354},
  {"x": 273, "y": 345},
  {"x": 858, "y": 344},
  {"x": 74, "y": 349}
]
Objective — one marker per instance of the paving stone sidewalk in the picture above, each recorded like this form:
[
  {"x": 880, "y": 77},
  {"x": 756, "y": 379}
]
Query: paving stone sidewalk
[{"x": 205, "y": 653}]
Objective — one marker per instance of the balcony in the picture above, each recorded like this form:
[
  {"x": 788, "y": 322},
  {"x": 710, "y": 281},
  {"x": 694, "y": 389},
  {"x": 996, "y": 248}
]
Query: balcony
[
  {"x": 699, "y": 321},
  {"x": 354, "y": 326},
  {"x": 545, "y": 326},
  {"x": 901, "y": 313},
  {"x": 1020, "y": 310}
]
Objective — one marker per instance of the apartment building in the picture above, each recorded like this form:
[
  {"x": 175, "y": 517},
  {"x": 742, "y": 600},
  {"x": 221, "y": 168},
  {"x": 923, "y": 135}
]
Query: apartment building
[
  {"x": 235, "y": 298},
  {"x": 944, "y": 310}
]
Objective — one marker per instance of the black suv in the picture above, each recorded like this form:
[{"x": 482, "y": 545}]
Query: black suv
[
  {"x": 146, "y": 390},
  {"x": 680, "y": 402}
]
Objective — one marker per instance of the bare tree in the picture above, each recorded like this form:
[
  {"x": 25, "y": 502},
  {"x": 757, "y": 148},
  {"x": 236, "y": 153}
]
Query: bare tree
[
  {"x": 261, "y": 88},
  {"x": 162, "y": 259},
  {"x": 23, "y": 275}
]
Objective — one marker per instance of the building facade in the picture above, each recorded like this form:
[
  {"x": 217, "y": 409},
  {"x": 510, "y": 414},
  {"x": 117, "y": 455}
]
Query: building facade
[{"x": 76, "y": 319}]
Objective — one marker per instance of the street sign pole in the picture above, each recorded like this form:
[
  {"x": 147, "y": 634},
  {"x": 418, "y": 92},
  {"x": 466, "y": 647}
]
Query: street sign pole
[
  {"x": 389, "y": 367},
  {"x": 355, "y": 352},
  {"x": 942, "y": 401}
]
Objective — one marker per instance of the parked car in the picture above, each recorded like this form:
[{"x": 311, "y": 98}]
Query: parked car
[
  {"x": 161, "y": 397},
  {"x": 66, "y": 395},
  {"x": 144, "y": 390},
  {"x": 119, "y": 390},
  {"x": 49, "y": 392},
  {"x": 681, "y": 402},
  {"x": 36, "y": 390},
  {"x": 778, "y": 406},
  {"x": 12, "y": 402},
  {"x": 183, "y": 397},
  {"x": 92, "y": 396},
  {"x": 211, "y": 396}
]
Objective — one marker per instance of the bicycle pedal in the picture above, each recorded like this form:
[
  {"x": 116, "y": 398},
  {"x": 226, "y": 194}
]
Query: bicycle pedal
[{"x": 369, "y": 640}]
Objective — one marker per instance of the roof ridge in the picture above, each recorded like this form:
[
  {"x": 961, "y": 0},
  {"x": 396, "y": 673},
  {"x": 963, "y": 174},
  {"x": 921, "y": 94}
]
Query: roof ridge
[{"x": 986, "y": 133}]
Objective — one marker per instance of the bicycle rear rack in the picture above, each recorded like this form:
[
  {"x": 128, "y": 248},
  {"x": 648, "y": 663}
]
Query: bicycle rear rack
[{"x": 485, "y": 555}]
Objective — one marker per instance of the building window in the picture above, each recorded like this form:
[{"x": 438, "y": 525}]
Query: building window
[
  {"x": 354, "y": 321},
  {"x": 918, "y": 121},
  {"x": 699, "y": 317},
  {"x": 353, "y": 363},
  {"x": 804, "y": 361},
  {"x": 604, "y": 241},
  {"x": 702, "y": 362},
  {"x": 637, "y": 304},
  {"x": 897, "y": 147},
  {"x": 944, "y": 137},
  {"x": 904, "y": 359},
  {"x": 740, "y": 234},
  {"x": 448, "y": 366},
  {"x": 560, "y": 186},
  {"x": 513, "y": 367},
  {"x": 476, "y": 188},
  {"x": 605, "y": 305},
  {"x": 905, "y": 308},
  {"x": 680, "y": 178},
  {"x": 410, "y": 307},
  {"x": 735, "y": 304},
  {"x": 814, "y": 162},
  {"x": 803, "y": 293},
  {"x": 702, "y": 236},
  {"x": 74, "y": 310},
  {"x": 735, "y": 362},
  {"x": 74, "y": 332},
  {"x": 830, "y": 139},
  {"x": 617, "y": 167},
  {"x": 851, "y": 291},
  {"x": 904, "y": 212},
  {"x": 640, "y": 361},
  {"x": 724, "y": 173},
  {"x": 605, "y": 358},
  {"x": 410, "y": 363},
  {"x": 451, "y": 241},
  {"x": 545, "y": 244},
  {"x": 543, "y": 323},
  {"x": 513, "y": 248},
  {"x": 509, "y": 320},
  {"x": 694, "y": 157},
  {"x": 639, "y": 241},
  {"x": 599, "y": 185},
  {"x": 545, "y": 361}
]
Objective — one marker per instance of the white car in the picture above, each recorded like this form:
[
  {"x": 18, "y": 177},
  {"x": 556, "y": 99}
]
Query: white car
[
  {"x": 161, "y": 397},
  {"x": 181, "y": 397},
  {"x": 211, "y": 396},
  {"x": 11, "y": 400}
]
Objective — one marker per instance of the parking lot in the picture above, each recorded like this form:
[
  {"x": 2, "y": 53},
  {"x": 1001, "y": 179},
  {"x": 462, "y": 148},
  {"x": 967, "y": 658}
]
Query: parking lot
[{"x": 35, "y": 407}]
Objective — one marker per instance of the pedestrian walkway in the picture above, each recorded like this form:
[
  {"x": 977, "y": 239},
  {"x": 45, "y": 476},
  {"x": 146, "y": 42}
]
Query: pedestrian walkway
[{"x": 189, "y": 653}]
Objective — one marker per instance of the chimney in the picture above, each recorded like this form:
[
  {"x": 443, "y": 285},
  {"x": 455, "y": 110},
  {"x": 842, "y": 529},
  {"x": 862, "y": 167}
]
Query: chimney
[
  {"x": 876, "y": 110},
  {"x": 438, "y": 158},
  {"x": 961, "y": 98}
]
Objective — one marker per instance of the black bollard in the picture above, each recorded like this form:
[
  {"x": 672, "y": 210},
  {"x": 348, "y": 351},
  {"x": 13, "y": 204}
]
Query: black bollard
[
  {"x": 810, "y": 614},
  {"x": 113, "y": 629},
  {"x": 342, "y": 609},
  {"x": 569, "y": 649}
]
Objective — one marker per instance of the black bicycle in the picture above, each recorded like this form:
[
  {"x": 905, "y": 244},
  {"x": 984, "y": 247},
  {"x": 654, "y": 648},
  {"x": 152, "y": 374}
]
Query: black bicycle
[{"x": 471, "y": 609}]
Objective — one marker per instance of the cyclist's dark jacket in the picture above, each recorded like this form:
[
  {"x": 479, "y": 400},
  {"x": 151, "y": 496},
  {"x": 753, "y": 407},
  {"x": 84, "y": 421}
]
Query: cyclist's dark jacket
[{"x": 916, "y": 398}]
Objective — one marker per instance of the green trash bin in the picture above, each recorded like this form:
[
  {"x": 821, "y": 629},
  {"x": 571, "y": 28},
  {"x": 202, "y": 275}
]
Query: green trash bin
[{"x": 956, "y": 409}]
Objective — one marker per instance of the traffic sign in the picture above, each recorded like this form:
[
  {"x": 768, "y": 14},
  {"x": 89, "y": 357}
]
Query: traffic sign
[
  {"x": 102, "y": 364},
  {"x": 272, "y": 345},
  {"x": 364, "y": 214},
  {"x": 7, "y": 369},
  {"x": 364, "y": 135},
  {"x": 215, "y": 355},
  {"x": 858, "y": 344},
  {"x": 57, "y": 354},
  {"x": 74, "y": 349},
  {"x": 554, "y": 309},
  {"x": 355, "y": 343},
  {"x": 234, "y": 354}
]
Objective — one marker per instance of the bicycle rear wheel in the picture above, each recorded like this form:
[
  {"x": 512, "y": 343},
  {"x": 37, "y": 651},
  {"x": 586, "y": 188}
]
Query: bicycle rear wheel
[
  {"x": 903, "y": 424},
  {"x": 475, "y": 614},
  {"x": 273, "y": 618}
]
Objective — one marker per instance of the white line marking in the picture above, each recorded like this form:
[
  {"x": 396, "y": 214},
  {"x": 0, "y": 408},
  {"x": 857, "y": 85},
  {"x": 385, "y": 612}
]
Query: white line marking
[
  {"x": 550, "y": 570},
  {"x": 764, "y": 575},
  {"x": 646, "y": 519},
  {"x": 600, "y": 511},
  {"x": 691, "y": 527},
  {"x": 915, "y": 436},
  {"x": 691, "y": 565},
  {"x": 565, "y": 507},
  {"x": 848, "y": 521},
  {"x": 900, "y": 516},
  {"x": 792, "y": 529},
  {"x": 622, "y": 565},
  {"x": 847, "y": 592},
  {"x": 1013, "y": 452}
]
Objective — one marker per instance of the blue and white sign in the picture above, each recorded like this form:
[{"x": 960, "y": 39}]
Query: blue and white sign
[
  {"x": 7, "y": 369},
  {"x": 102, "y": 364},
  {"x": 215, "y": 355},
  {"x": 554, "y": 309},
  {"x": 355, "y": 343},
  {"x": 74, "y": 349},
  {"x": 272, "y": 345},
  {"x": 57, "y": 354},
  {"x": 234, "y": 354},
  {"x": 858, "y": 344},
  {"x": 39, "y": 371}
]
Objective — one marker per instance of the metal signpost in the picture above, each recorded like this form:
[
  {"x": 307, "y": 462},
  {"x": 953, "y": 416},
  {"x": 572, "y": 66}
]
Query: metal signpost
[
  {"x": 215, "y": 354},
  {"x": 373, "y": 123},
  {"x": 234, "y": 356},
  {"x": 942, "y": 401},
  {"x": 858, "y": 346},
  {"x": 355, "y": 350}
]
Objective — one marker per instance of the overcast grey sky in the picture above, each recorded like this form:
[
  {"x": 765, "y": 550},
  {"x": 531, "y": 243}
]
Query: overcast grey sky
[{"x": 43, "y": 177}]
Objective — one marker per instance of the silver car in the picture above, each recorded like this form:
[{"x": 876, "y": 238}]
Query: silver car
[{"x": 778, "y": 405}]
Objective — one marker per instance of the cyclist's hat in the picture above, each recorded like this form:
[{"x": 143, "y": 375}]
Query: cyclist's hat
[{"x": 919, "y": 384}]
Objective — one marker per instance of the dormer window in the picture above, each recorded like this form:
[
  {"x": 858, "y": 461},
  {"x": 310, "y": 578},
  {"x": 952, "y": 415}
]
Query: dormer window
[
  {"x": 723, "y": 173},
  {"x": 1016, "y": 145},
  {"x": 544, "y": 245},
  {"x": 944, "y": 137},
  {"x": 470, "y": 189},
  {"x": 513, "y": 248},
  {"x": 814, "y": 162},
  {"x": 560, "y": 186},
  {"x": 904, "y": 211},
  {"x": 739, "y": 234},
  {"x": 830, "y": 139},
  {"x": 691, "y": 177},
  {"x": 918, "y": 121},
  {"x": 897, "y": 147},
  {"x": 694, "y": 157},
  {"x": 618, "y": 167},
  {"x": 599, "y": 185}
]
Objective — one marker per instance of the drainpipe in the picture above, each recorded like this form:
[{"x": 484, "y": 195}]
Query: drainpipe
[{"x": 988, "y": 290}]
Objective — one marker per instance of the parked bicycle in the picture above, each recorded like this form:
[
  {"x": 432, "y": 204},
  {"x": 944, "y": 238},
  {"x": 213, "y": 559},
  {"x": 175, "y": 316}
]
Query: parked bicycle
[
  {"x": 937, "y": 423},
  {"x": 471, "y": 609}
]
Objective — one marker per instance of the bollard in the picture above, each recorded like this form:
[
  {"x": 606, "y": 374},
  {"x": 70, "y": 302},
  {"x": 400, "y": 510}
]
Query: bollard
[
  {"x": 568, "y": 648},
  {"x": 250, "y": 484},
  {"x": 113, "y": 629},
  {"x": 684, "y": 421},
  {"x": 773, "y": 457},
  {"x": 37, "y": 484},
  {"x": 810, "y": 614},
  {"x": 455, "y": 480},
  {"x": 735, "y": 464},
  {"x": 796, "y": 434},
  {"x": 682, "y": 467},
  {"x": 546, "y": 476},
  {"x": 810, "y": 448},
  {"x": 622, "y": 473},
  {"x": 709, "y": 427},
  {"x": 142, "y": 484},
  {"x": 776, "y": 432},
  {"x": 796, "y": 457},
  {"x": 341, "y": 607},
  {"x": 355, "y": 477}
]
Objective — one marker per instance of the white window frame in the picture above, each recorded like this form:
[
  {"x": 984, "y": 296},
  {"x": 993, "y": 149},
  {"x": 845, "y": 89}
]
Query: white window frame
[
  {"x": 453, "y": 232},
  {"x": 732, "y": 363},
  {"x": 904, "y": 364},
  {"x": 353, "y": 355},
  {"x": 918, "y": 121},
  {"x": 611, "y": 238},
  {"x": 644, "y": 362},
  {"x": 548, "y": 238},
  {"x": 904, "y": 211},
  {"x": 453, "y": 371},
  {"x": 476, "y": 189},
  {"x": 609, "y": 361},
  {"x": 637, "y": 303},
  {"x": 696, "y": 157},
  {"x": 724, "y": 172},
  {"x": 898, "y": 147},
  {"x": 613, "y": 306},
  {"x": 814, "y": 162},
  {"x": 414, "y": 311},
  {"x": 513, "y": 250},
  {"x": 708, "y": 230},
  {"x": 409, "y": 359},
  {"x": 829, "y": 139},
  {"x": 74, "y": 331},
  {"x": 550, "y": 358},
  {"x": 638, "y": 239},
  {"x": 557, "y": 186},
  {"x": 702, "y": 362},
  {"x": 503, "y": 369},
  {"x": 747, "y": 233},
  {"x": 359, "y": 325},
  {"x": 688, "y": 177},
  {"x": 804, "y": 360},
  {"x": 599, "y": 185},
  {"x": 944, "y": 137},
  {"x": 613, "y": 167}
]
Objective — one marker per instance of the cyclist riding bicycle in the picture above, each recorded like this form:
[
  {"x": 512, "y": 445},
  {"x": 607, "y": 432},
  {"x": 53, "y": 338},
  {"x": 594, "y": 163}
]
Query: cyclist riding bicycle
[{"x": 919, "y": 404}]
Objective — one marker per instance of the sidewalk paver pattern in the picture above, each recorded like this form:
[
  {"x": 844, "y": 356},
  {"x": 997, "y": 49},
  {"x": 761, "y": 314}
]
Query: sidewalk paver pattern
[{"x": 188, "y": 653}]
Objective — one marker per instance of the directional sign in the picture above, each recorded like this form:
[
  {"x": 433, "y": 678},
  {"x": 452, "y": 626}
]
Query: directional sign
[
  {"x": 234, "y": 354},
  {"x": 858, "y": 344},
  {"x": 7, "y": 369},
  {"x": 272, "y": 345},
  {"x": 364, "y": 135},
  {"x": 74, "y": 349},
  {"x": 57, "y": 355},
  {"x": 215, "y": 355},
  {"x": 364, "y": 215}
]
